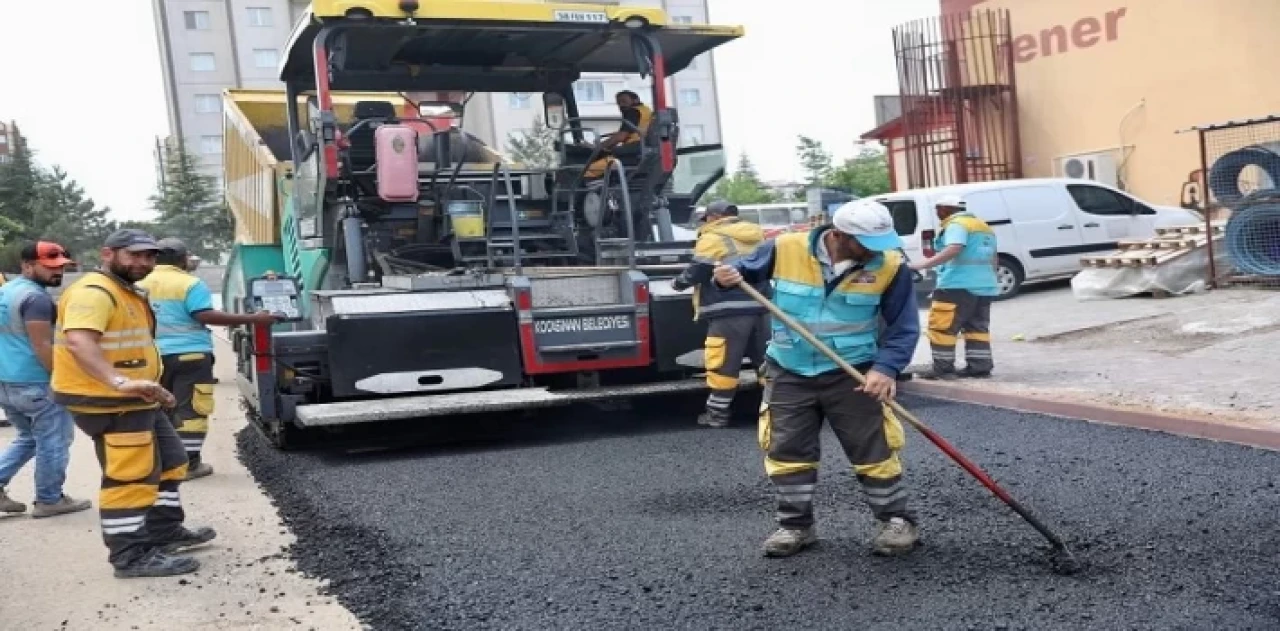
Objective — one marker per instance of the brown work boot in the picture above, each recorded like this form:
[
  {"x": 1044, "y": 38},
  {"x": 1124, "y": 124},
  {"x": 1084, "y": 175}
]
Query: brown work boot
[
  {"x": 894, "y": 537},
  {"x": 713, "y": 420},
  {"x": 155, "y": 564},
  {"x": 198, "y": 470},
  {"x": 61, "y": 507},
  {"x": 10, "y": 506},
  {"x": 785, "y": 542}
]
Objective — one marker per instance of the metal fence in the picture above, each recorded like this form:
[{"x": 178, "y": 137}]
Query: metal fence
[
  {"x": 1239, "y": 191},
  {"x": 958, "y": 98}
]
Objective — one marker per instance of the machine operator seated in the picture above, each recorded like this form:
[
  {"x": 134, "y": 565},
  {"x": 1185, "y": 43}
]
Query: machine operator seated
[{"x": 625, "y": 142}]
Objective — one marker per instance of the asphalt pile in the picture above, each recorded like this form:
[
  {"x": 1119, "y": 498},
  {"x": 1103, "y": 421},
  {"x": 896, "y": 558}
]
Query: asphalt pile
[{"x": 606, "y": 520}]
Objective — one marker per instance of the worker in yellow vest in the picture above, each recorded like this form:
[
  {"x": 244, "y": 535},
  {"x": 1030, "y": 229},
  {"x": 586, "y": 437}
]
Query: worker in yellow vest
[
  {"x": 840, "y": 281},
  {"x": 106, "y": 371},
  {"x": 637, "y": 117},
  {"x": 737, "y": 326},
  {"x": 183, "y": 306}
]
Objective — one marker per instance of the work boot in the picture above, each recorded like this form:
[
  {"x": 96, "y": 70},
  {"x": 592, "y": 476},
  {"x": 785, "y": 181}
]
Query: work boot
[
  {"x": 61, "y": 507},
  {"x": 712, "y": 420},
  {"x": 894, "y": 537},
  {"x": 969, "y": 373},
  {"x": 187, "y": 539},
  {"x": 785, "y": 542},
  {"x": 155, "y": 564},
  {"x": 936, "y": 375},
  {"x": 9, "y": 506},
  {"x": 198, "y": 470}
]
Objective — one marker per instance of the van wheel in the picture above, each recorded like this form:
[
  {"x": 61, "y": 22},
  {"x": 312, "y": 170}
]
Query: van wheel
[{"x": 1009, "y": 277}]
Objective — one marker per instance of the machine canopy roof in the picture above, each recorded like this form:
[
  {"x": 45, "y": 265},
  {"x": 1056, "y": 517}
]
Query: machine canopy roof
[{"x": 489, "y": 46}]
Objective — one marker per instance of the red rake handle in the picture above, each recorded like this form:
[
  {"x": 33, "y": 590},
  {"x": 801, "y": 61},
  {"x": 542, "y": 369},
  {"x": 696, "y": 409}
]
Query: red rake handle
[{"x": 934, "y": 437}]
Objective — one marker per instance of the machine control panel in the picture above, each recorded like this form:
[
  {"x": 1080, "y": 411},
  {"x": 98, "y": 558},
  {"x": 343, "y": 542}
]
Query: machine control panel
[{"x": 275, "y": 294}]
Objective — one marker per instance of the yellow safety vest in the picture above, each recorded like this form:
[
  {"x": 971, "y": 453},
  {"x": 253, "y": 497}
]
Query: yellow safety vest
[
  {"x": 597, "y": 168},
  {"x": 725, "y": 241},
  {"x": 128, "y": 344}
]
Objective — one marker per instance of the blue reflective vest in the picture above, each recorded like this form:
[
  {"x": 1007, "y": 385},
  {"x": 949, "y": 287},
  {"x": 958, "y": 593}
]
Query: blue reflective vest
[
  {"x": 973, "y": 270},
  {"x": 847, "y": 319},
  {"x": 18, "y": 361},
  {"x": 176, "y": 331}
]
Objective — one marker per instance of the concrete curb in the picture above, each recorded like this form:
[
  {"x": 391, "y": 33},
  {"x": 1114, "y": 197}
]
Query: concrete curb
[{"x": 1189, "y": 427}]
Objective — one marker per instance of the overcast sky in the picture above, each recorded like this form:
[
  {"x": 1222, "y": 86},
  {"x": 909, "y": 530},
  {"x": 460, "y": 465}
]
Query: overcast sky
[{"x": 84, "y": 83}]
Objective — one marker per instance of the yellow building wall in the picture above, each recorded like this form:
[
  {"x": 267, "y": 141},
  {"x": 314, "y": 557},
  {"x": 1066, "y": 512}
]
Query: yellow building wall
[{"x": 1085, "y": 66}]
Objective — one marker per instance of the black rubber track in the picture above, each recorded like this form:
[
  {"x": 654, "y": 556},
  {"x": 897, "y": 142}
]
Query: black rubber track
[{"x": 590, "y": 520}]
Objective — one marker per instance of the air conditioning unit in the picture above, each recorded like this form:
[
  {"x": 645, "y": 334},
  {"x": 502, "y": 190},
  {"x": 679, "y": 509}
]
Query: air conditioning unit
[{"x": 1099, "y": 167}]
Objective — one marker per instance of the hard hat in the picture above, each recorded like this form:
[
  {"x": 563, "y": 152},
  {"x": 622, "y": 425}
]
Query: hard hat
[
  {"x": 869, "y": 222},
  {"x": 950, "y": 201}
]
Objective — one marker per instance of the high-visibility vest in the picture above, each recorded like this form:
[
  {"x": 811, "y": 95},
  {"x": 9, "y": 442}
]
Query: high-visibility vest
[
  {"x": 176, "y": 331},
  {"x": 973, "y": 269},
  {"x": 847, "y": 319},
  {"x": 128, "y": 344},
  {"x": 18, "y": 361},
  {"x": 597, "y": 168},
  {"x": 726, "y": 240}
]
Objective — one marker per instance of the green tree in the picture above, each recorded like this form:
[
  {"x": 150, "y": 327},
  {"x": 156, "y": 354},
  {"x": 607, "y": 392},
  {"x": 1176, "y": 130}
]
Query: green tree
[
  {"x": 188, "y": 207},
  {"x": 865, "y": 174},
  {"x": 534, "y": 148},
  {"x": 743, "y": 186},
  {"x": 815, "y": 160},
  {"x": 61, "y": 212}
]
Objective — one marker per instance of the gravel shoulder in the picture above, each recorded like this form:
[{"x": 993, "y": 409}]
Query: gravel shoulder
[
  {"x": 604, "y": 521},
  {"x": 57, "y": 576}
]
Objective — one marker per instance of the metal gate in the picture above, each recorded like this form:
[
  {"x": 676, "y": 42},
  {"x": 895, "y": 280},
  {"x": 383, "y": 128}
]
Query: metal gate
[{"x": 959, "y": 99}]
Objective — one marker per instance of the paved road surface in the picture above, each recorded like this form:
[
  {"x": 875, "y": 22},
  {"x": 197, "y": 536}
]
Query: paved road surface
[{"x": 602, "y": 522}]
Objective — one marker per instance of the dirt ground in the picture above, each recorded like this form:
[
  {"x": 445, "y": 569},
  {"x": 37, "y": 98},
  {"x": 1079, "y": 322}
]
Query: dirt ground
[
  {"x": 57, "y": 576},
  {"x": 1204, "y": 355}
]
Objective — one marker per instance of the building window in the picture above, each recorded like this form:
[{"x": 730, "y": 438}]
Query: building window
[
  {"x": 266, "y": 58},
  {"x": 208, "y": 104},
  {"x": 691, "y": 97},
  {"x": 519, "y": 100},
  {"x": 4, "y": 140},
  {"x": 203, "y": 62},
  {"x": 210, "y": 144},
  {"x": 589, "y": 91},
  {"x": 196, "y": 20},
  {"x": 691, "y": 135},
  {"x": 260, "y": 16},
  {"x": 682, "y": 19}
]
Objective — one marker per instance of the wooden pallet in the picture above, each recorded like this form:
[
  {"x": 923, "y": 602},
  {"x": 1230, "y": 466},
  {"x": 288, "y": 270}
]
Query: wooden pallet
[{"x": 1168, "y": 245}]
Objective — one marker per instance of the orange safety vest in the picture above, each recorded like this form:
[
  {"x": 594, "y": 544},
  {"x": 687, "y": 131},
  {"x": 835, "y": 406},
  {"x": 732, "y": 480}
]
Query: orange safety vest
[{"x": 128, "y": 344}]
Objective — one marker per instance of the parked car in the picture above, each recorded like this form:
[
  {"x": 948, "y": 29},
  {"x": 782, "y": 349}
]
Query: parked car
[{"x": 1043, "y": 226}]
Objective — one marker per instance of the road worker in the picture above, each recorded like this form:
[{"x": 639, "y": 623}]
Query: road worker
[
  {"x": 106, "y": 370},
  {"x": 737, "y": 326},
  {"x": 625, "y": 141},
  {"x": 45, "y": 429},
  {"x": 966, "y": 260},
  {"x": 183, "y": 305},
  {"x": 837, "y": 280}
]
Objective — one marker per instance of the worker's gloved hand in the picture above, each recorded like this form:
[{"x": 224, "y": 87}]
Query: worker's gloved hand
[
  {"x": 880, "y": 386},
  {"x": 678, "y": 285},
  {"x": 726, "y": 276}
]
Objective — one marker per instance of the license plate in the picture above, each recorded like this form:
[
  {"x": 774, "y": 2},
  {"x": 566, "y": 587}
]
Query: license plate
[
  {"x": 582, "y": 325},
  {"x": 582, "y": 17}
]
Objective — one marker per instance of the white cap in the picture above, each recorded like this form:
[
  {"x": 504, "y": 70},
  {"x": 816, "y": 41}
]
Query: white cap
[
  {"x": 869, "y": 222},
  {"x": 950, "y": 200}
]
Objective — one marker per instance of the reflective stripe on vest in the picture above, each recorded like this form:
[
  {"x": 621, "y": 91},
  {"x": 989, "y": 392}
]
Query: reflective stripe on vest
[
  {"x": 847, "y": 319},
  {"x": 176, "y": 331},
  {"x": 18, "y": 361},
  {"x": 972, "y": 269},
  {"x": 725, "y": 240},
  {"x": 127, "y": 344}
]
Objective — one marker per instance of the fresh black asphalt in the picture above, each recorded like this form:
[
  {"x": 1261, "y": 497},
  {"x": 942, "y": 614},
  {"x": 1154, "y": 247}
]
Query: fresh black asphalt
[{"x": 591, "y": 520}]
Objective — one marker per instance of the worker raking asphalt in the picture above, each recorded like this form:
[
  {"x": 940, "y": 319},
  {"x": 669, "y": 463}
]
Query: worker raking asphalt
[{"x": 609, "y": 521}]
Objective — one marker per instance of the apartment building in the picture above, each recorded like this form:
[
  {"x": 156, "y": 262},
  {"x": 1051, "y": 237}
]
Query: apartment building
[
  {"x": 207, "y": 46},
  {"x": 6, "y": 141}
]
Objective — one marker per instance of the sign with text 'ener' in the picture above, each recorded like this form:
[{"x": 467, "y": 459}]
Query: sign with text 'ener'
[{"x": 1057, "y": 39}]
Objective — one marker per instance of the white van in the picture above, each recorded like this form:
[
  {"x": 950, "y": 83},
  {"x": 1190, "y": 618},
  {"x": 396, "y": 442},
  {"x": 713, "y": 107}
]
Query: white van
[{"x": 1042, "y": 226}]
